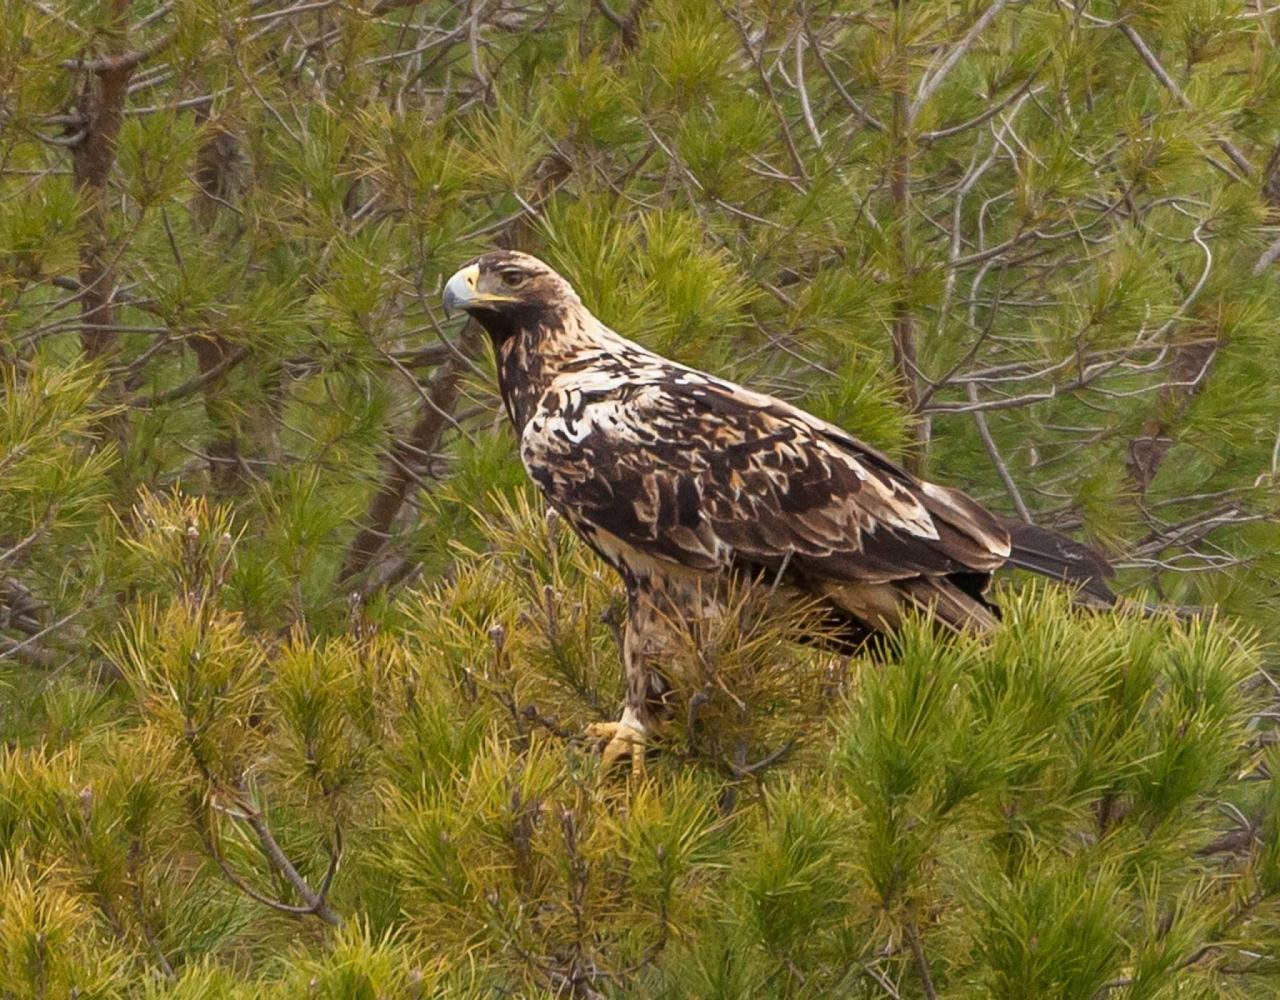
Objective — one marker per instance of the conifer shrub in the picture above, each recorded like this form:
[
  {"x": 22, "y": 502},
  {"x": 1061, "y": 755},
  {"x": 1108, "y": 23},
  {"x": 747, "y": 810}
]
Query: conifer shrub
[
  {"x": 412, "y": 812},
  {"x": 294, "y": 666}
]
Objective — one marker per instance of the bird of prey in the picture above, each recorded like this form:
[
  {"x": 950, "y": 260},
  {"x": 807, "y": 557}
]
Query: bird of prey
[{"x": 682, "y": 481}]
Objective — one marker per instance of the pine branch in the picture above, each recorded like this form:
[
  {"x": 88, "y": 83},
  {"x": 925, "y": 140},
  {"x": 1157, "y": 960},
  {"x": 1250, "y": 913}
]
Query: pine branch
[
  {"x": 912, "y": 933},
  {"x": 403, "y": 462},
  {"x": 1238, "y": 158},
  {"x": 217, "y": 363},
  {"x": 930, "y": 82},
  {"x": 628, "y": 25},
  {"x": 314, "y": 900}
]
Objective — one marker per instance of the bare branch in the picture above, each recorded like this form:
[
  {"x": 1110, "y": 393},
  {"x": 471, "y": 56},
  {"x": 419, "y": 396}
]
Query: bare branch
[
  {"x": 993, "y": 452},
  {"x": 912, "y": 933},
  {"x": 735, "y": 16},
  {"x": 805, "y": 107},
  {"x": 41, "y": 656},
  {"x": 1171, "y": 85},
  {"x": 314, "y": 901},
  {"x": 122, "y": 62},
  {"x": 930, "y": 83},
  {"x": 867, "y": 118},
  {"x": 194, "y": 384}
]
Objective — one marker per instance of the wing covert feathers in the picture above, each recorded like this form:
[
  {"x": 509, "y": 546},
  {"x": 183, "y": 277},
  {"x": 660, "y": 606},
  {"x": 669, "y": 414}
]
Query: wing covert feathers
[{"x": 662, "y": 468}]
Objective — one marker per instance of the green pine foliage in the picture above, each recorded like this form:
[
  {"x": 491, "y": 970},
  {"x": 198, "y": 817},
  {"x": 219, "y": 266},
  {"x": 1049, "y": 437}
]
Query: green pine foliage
[
  {"x": 294, "y": 666},
  {"x": 1031, "y": 808}
]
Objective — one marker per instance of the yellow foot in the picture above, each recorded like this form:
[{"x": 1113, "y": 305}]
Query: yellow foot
[{"x": 618, "y": 740}]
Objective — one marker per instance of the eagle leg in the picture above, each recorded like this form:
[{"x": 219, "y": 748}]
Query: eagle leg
[
  {"x": 651, "y": 618},
  {"x": 620, "y": 739}
]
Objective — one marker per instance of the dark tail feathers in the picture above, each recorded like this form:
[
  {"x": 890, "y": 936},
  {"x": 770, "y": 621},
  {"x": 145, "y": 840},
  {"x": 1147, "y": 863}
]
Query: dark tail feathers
[{"x": 1060, "y": 558}]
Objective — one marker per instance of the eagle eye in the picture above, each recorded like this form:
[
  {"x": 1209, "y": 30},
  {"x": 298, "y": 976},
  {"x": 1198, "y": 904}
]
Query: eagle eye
[{"x": 512, "y": 279}]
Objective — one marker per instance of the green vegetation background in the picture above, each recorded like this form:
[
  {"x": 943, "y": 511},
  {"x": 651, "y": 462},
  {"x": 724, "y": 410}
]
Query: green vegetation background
[{"x": 292, "y": 663}]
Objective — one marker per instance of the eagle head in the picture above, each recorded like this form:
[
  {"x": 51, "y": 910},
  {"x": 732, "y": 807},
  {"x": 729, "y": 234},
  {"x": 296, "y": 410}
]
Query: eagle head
[{"x": 506, "y": 291}]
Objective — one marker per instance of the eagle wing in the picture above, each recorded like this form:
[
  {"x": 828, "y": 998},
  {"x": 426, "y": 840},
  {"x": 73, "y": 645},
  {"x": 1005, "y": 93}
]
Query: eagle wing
[{"x": 704, "y": 474}]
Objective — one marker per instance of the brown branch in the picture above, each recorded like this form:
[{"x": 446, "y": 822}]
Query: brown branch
[
  {"x": 1231, "y": 842},
  {"x": 30, "y": 650},
  {"x": 743, "y": 770},
  {"x": 20, "y": 609},
  {"x": 214, "y": 358},
  {"x": 921, "y": 962},
  {"x": 314, "y": 900},
  {"x": 1270, "y": 194},
  {"x": 611, "y": 15},
  {"x": 387, "y": 6},
  {"x": 217, "y": 363},
  {"x": 119, "y": 62},
  {"x": 17, "y": 548},
  {"x": 424, "y": 357},
  {"x": 101, "y": 109},
  {"x": 1147, "y": 452},
  {"x": 1232, "y": 918},
  {"x": 628, "y": 26},
  {"x": 251, "y": 892},
  {"x": 404, "y": 461}
]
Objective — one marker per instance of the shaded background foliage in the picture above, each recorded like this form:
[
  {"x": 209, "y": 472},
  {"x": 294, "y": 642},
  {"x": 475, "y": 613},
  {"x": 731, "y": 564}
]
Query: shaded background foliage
[{"x": 280, "y": 626}]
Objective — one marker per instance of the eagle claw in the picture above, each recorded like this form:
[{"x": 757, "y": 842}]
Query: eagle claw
[{"x": 618, "y": 740}]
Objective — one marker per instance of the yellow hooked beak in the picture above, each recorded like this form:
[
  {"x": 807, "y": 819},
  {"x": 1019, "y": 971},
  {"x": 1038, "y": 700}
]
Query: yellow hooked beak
[{"x": 462, "y": 292}]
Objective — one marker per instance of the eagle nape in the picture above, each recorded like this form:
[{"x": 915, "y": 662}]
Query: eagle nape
[{"x": 684, "y": 482}]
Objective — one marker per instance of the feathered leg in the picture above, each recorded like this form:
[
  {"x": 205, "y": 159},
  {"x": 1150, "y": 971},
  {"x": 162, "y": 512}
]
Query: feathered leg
[{"x": 645, "y": 645}]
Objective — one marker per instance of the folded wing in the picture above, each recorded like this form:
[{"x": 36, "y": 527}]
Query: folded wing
[{"x": 708, "y": 476}]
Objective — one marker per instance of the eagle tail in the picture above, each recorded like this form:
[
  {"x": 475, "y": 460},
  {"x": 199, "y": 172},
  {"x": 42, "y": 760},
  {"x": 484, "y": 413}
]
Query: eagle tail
[{"x": 1060, "y": 558}]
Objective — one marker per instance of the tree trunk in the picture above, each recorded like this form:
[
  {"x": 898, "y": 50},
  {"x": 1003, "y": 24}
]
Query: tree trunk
[
  {"x": 101, "y": 108},
  {"x": 904, "y": 330}
]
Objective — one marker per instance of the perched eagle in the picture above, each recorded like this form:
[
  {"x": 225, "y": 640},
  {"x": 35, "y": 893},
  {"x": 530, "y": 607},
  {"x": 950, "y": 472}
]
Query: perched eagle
[{"x": 681, "y": 480}]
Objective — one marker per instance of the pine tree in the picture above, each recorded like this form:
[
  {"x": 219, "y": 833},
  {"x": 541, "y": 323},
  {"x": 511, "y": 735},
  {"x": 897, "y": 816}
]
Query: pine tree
[{"x": 293, "y": 664}]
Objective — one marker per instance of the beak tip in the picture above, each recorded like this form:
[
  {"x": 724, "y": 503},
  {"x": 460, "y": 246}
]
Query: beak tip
[{"x": 457, "y": 293}]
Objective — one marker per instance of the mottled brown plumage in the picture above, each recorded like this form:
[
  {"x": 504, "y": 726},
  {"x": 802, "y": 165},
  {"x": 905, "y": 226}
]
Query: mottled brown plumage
[{"x": 681, "y": 481}]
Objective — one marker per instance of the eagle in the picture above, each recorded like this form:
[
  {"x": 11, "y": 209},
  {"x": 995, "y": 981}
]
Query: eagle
[{"x": 682, "y": 481}]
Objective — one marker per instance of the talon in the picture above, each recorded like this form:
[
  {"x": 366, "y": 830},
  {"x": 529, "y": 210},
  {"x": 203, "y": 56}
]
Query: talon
[{"x": 618, "y": 740}]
